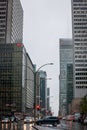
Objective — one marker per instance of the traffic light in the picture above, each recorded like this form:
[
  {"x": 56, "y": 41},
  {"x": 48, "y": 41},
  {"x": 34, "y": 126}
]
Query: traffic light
[{"x": 38, "y": 107}]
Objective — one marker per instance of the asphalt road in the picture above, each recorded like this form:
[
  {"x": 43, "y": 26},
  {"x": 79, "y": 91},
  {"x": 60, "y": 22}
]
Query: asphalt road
[{"x": 63, "y": 126}]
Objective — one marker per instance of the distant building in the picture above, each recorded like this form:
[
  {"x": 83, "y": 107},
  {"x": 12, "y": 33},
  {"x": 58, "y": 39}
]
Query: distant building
[
  {"x": 66, "y": 64},
  {"x": 43, "y": 91},
  {"x": 79, "y": 29},
  {"x": 69, "y": 85},
  {"x": 48, "y": 101},
  {"x": 11, "y": 21},
  {"x": 16, "y": 82}
]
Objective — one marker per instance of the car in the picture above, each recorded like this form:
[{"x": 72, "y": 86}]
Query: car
[
  {"x": 85, "y": 120},
  {"x": 12, "y": 118},
  {"x": 28, "y": 120},
  {"x": 6, "y": 120},
  {"x": 48, "y": 120},
  {"x": 64, "y": 118},
  {"x": 70, "y": 118},
  {"x": 77, "y": 116}
]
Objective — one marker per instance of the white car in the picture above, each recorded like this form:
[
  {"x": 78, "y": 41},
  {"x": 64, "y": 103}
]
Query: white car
[
  {"x": 6, "y": 120},
  {"x": 85, "y": 120},
  {"x": 28, "y": 120}
]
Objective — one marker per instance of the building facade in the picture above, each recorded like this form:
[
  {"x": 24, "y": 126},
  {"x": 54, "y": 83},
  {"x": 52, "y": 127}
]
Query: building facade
[
  {"x": 12, "y": 82},
  {"x": 66, "y": 58},
  {"x": 43, "y": 91},
  {"x": 79, "y": 30},
  {"x": 29, "y": 86},
  {"x": 11, "y": 21},
  {"x": 17, "y": 81},
  {"x": 69, "y": 85},
  {"x": 48, "y": 111}
]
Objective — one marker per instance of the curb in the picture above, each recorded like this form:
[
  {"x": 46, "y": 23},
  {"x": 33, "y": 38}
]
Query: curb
[{"x": 35, "y": 128}]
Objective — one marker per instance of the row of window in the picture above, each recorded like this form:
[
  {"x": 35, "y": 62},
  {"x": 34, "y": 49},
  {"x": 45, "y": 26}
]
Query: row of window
[
  {"x": 79, "y": 15},
  {"x": 81, "y": 65},
  {"x": 2, "y": 9},
  {"x": 81, "y": 82},
  {"x": 2, "y": 26},
  {"x": 80, "y": 23},
  {"x": 83, "y": 69},
  {"x": 80, "y": 56},
  {"x": 80, "y": 20},
  {"x": 81, "y": 78},
  {"x": 80, "y": 4},
  {"x": 81, "y": 86},
  {"x": 82, "y": 39},
  {"x": 3, "y": 4},
  {"x": 80, "y": 48},
  {"x": 2, "y": 35},
  {"x": 2, "y": 17},
  {"x": 80, "y": 12},
  {"x": 2, "y": 12},
  {"x": 81, "y": 44},
  {"x": 80, "y": 1},
  {"x": 81, "y": 74},
  {"x": 80, "y": 35},
  {"x": 80, "y": 27},
  {"x": 80, "y": 52},
  {"x": 80, "y": 8},
  {"x": 80, "y": 31},
  {"x": 2, "y": 1},
  {"x": 80, "y": 60}
]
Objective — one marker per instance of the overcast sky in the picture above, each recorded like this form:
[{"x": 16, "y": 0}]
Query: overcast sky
[{"x": 45, "y": 22}]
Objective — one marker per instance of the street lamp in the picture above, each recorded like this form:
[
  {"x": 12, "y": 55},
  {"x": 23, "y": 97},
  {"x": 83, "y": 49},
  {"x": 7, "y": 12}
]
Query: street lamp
[{"x": 35, "y": 75}]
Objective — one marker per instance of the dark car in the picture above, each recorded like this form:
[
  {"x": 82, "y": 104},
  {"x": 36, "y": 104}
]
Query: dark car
[{"x": 48, "y": 120}]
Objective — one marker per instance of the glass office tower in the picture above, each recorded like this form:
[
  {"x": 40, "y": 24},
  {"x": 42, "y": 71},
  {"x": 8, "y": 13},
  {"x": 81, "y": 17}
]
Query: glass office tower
[
  {"x": 66, "y": 57},
  {"x": 12, "y": 78}
]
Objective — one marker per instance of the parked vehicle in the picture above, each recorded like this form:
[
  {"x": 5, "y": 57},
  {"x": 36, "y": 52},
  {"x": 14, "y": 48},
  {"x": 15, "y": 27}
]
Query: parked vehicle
[
  {"x": 48, "y": 120},
  {"x": 64, "y": 118},
  {"x": 12, "y": 118},
  {"x": 85, "y": 120},
  {"x": 28, "y": 120},
  {"x": 70, "y": 118},
  {"x": 77, "y": 116},
  {"x": 6, "y": 120}
]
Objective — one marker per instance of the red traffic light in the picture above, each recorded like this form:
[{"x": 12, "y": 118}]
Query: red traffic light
[{"x": 38, "y": 107}]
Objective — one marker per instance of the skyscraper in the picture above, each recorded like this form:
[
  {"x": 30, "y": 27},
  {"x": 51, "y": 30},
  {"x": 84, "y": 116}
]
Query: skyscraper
[
  {"x": 11, "y": 21},
  {"x": 43, "y": 91},
  {"x": 66, "y": 61},
  {"x": 79, "y": 30}
]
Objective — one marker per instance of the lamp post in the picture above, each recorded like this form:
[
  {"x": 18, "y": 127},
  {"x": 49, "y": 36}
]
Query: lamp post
[{"x": 35, "y": 75}]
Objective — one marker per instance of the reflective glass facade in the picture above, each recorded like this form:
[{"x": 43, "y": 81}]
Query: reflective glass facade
[
  {"x": 66, "y": 57},
  {"x": 43, "y": 91},
  {"x": 12, "y": 83},
  {"x": 69, "y": 85}
]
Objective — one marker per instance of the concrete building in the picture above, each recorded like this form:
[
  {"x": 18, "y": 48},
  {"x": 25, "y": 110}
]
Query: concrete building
[
  {"x": 29, "y": 86},
  {"x": 48, "y": 100},
  {"x": 16, "y": 82},
  {"x": 66, "y": 61},
  {"x": 79, "y": 30},
  {"x": 11, "y": 21}
]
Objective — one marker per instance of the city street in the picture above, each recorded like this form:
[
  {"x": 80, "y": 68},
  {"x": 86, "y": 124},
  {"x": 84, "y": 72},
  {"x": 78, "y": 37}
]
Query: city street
[{"x": 62, "y": 126}]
